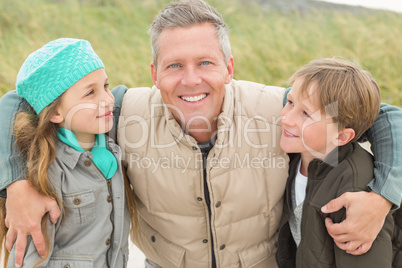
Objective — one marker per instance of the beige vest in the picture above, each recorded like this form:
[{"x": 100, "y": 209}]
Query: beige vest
[{"x": 246, "y": 177}]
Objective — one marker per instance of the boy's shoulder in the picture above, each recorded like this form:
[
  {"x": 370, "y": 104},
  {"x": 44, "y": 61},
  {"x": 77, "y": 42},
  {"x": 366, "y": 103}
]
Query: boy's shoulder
[{"x": 359, "y": 163}]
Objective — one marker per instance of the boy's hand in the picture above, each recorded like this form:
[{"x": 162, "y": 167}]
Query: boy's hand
[
  {"x": 25, "y": 209},
  {"x": 365, "y": 216}
]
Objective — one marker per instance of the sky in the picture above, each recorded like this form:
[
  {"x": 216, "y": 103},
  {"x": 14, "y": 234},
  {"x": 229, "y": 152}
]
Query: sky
[{"x": 394, "y": 5}]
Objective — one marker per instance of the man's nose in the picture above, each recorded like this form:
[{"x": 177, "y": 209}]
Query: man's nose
[{"x": 191, "y": 77}]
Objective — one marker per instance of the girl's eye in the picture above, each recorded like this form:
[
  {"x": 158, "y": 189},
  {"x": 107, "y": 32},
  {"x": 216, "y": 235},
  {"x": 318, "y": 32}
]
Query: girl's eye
[
  {"x": 206, "y": 63},
  {"x": 174, "y": 66},
  {"x": 90, "y": 93},
  {"x": 106, "y": 86}
]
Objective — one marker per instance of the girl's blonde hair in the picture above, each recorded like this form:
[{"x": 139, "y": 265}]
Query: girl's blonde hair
[{"x": 36, "y": 138}]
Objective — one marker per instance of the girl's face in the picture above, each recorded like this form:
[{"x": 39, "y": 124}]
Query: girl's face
[{"x": 86, "y": 107}]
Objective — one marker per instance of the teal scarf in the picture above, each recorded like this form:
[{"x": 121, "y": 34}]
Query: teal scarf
[{"x": 101, "y": 156}]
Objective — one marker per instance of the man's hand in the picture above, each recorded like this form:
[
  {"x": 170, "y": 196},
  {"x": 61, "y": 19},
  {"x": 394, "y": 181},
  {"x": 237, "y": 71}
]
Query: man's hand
[
  {"x": 25, "y": 209},
  {"x": 365, "y": 216}
]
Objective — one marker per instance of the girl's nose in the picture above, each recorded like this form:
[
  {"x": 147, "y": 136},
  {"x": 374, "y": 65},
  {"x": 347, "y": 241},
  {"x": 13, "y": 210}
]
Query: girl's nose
[{"x": 107, "y": 101}]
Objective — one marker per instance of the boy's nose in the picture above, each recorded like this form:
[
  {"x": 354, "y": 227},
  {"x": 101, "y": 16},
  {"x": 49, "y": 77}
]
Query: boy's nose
[{"x": 287, "y": 119}]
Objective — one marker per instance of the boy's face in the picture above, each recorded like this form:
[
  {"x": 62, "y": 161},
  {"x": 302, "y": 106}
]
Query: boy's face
[{"x": 305, "y": 129}]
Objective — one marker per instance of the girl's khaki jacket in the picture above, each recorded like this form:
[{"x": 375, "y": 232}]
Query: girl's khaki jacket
[
  {"x": 246, "y": 176},
  {"x": 93, "y": 232}
]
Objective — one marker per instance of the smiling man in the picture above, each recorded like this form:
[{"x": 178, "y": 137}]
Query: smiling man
[
  {"x": 202, "y": 154},
  {"x": 191, "y": 73}
]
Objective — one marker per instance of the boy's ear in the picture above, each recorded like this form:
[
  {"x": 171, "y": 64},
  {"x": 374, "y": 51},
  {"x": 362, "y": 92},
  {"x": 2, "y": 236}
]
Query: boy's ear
[
  {"x": 56, "y": 117},
  {"x": 344, "y": 136}
]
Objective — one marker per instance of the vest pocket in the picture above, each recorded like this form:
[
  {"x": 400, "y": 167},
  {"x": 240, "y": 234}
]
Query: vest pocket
[
  {"x": 158, "y": 249},
  {"x": 255, "y": 256},
  {"x": 80, "y": 208}
]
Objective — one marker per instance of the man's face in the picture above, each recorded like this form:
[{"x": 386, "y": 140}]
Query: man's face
[{"x": 191, "y": 74}]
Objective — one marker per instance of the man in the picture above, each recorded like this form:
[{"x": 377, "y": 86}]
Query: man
[{"x": 202, "y": 153}]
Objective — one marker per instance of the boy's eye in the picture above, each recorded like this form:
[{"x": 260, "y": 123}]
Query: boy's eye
[
  {"x": 290, "y": 102},
  {"x": 306, "y": 114}
]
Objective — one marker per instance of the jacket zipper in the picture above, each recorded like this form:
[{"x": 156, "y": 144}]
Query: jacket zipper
[{"x": 109, "y": 188}]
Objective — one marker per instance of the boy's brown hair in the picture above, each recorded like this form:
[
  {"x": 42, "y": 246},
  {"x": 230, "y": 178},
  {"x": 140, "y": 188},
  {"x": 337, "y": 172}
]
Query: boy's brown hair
[{"x": 345, "y": 91}]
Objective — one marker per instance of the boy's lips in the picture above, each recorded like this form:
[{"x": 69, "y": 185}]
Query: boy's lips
[{"x": 288, "y": 134}]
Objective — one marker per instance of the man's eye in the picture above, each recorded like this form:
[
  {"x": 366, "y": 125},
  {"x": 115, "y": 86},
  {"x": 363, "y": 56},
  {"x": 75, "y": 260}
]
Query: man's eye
[
  {"x": 174, "y": 66},
  {"x": 206, "y": 63}
]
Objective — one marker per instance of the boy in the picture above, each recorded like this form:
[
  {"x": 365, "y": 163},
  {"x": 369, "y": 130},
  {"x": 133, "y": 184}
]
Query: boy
[{"x": 331, "y": 103}]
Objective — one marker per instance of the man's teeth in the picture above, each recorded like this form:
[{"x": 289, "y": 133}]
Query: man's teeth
[{"x": 193, "y": 99}]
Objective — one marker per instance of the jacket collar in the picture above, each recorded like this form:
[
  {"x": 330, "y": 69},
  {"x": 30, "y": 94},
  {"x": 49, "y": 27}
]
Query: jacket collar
[{"x": 319, "y": 169}]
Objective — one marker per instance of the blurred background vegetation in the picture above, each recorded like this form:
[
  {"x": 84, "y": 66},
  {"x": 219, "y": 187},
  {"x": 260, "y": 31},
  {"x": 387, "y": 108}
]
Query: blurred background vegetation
[{"x": 269, "y": 41}]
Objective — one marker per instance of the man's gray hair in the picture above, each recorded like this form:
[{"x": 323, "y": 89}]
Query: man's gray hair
[{"x": 188, "y": 13}]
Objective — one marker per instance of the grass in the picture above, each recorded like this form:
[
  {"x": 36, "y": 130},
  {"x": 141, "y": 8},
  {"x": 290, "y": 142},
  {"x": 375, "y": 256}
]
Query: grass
[{"x": 268, "y": 46}]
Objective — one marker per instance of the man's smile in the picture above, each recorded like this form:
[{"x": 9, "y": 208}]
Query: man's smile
[{"x": 193, "y": 98}]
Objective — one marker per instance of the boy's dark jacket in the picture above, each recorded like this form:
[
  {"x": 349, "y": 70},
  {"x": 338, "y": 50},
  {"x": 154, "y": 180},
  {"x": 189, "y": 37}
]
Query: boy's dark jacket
[{"x": 351, "y": 170}]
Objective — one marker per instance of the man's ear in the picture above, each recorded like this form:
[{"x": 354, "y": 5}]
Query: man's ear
[
  {"x": 230, "y": 69},
  {"x": 154, "y": 74},
  {"x": 344, "y": 136},
  {"x": 56, "y": 117}
]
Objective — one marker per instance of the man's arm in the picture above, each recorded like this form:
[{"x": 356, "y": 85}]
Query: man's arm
[
  {"x": 366, "y": 212},
  {"x": 118, "y": 93},
  {"x": 25, "y": 207},
  {"x": 385, "y": 138},
  {"x": 12, "y": 164}
]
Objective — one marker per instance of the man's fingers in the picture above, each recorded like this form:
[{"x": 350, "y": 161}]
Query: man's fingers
[
  {"x": 11, "y": 236},
  {"x": 39, "y": 243},
  {"x": 20, "y": 246},
  {"x": 335, "y": 204},
  {"x": 348, "y": 246},
  {"x": 334, "y": 229},
  {"x": 361, "y": 249}
]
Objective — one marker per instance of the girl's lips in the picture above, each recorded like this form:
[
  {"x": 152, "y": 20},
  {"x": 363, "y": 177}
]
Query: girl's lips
[{"x": 107, "y": 115}]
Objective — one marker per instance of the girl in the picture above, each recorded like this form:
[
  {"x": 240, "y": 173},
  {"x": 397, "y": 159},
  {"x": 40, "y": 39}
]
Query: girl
[{"x": 70, "y": 159}]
